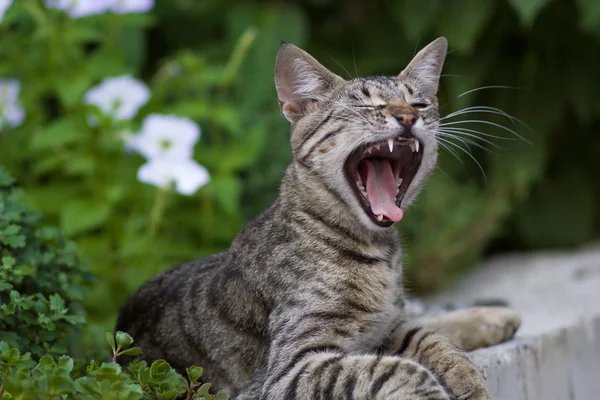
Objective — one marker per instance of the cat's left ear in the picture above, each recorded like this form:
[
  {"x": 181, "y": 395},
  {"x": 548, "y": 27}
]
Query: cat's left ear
[
  {"x": 300, "y": 79},
  {"x": 426, "y": 67}
]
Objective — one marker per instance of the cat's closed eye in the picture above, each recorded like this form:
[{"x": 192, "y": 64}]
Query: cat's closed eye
[{"x": 419, "y": 106}]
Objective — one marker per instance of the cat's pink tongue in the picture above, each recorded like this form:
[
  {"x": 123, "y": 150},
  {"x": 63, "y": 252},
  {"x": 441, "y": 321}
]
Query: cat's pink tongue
[{"x": 381, "y": 189}]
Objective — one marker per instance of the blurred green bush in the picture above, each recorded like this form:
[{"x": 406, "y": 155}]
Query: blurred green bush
[
  {"x": 41, "y": 280},
  {"x": 212, "y": 61}
]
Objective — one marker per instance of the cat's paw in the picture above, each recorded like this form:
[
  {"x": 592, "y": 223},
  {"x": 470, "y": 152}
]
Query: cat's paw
[
  {"x": 477, "y": 327},
  {"x": 465, "y": 381}
]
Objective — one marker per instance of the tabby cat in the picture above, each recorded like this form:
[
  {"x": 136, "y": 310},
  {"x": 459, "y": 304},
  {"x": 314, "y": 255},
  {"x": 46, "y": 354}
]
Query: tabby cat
[{"x": 308, "y": 301}]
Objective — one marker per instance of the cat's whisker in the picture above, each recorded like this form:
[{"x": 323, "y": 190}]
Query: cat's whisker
[
  {"x": 344, "y": 68},
  {"x": 453, "y": 133},
  {"x": 467, "y": 141},
  {"x": 484, "y": 88},
  {"x": 362, "y": 117},
  {"x": 484, "y": 110},
  {"x": 444, "y": 146},
  {"x": 457, "y": 129},
  {"x": 467, "y": 153},
  {"x": 478, "y": 121}
]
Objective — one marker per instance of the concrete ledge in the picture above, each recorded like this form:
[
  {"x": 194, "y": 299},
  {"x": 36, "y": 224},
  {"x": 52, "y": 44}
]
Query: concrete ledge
[{"x": 556, "y": 354}]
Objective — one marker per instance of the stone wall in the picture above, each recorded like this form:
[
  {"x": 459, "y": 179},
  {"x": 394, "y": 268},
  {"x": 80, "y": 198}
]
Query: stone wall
[{"x": 556, "y": 353}]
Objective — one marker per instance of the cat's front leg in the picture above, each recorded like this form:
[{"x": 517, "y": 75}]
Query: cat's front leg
[
  {"x": 309, "y": 358},
  {"x": 443, "y": 358},
  {"x": 475, "y": 327}
]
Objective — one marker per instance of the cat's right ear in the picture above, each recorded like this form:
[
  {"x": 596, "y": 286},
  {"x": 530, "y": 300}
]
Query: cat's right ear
[
  {"x": 299, "y": 80},
  {"x": 426, "y": 67}
]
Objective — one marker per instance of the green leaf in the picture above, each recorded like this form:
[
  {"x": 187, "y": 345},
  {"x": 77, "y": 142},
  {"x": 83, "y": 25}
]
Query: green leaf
[
  {"x": 194, "y": 373},
  {"x": 589, "y": 15},
  {"x": 428, "y": 12},
  {"x": 463, "y": 24},
  {"x": 59, "y": 133},
  {"x": 528, "y": 9},
  {"x": 80, "y": 215},
  {"x": 8, "y": 261},
  {"x": 133, "y": 42},
  {"x": 222, "y": 396},
  {"x": 46, "y": 363},
  {"x": 134, "y": 351},
  {"x": 56, "y": 302},
  {"x": 111, "y": 341},
  {"x": 65, "y": 363},
  {"x": 227, "y": 191},
  {"x": 123, "y": 339},
  {"x": 89, "y": 386},
  {"x": 204, "y": 390},
  {"x": 72, "y": 88},
  {"x": 159, "y": 368},
  {"x": 274, "y": 23}
]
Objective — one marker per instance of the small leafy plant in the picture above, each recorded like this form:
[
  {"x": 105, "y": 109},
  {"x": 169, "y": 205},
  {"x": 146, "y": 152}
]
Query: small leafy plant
[
  {"x": 42, "y": 280},
  {"x": 23, "y": 378}
]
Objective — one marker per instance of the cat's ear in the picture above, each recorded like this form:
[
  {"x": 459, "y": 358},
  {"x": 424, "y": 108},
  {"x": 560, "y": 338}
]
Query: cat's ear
[
  {"x": 300, "y": 79},
  {"x": 425, "y": 68}
]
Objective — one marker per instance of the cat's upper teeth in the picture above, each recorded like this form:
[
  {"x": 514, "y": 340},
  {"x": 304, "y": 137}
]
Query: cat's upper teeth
[
  {"x": 414, "y": 145},
  {"x": 380, "y": 218},
  {"x": 362, "y": 189},
  {"x": 399, "y": 182}
]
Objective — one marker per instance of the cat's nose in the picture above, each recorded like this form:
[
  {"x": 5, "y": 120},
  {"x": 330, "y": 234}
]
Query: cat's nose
[{"x": 406, "y": 119}]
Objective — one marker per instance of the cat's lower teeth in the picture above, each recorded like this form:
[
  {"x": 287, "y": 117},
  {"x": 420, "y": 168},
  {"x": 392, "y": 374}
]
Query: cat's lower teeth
[{"x": 380, "y": 218}]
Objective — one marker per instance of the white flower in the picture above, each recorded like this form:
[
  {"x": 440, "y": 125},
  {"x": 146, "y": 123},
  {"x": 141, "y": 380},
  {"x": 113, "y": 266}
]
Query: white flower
[
  {"x": 4, "y": 5},
  {"x": 166, "y": 136},
  {"x": 11, "y": 111},
  {"x": 186, "y": 175},
  {"x": 79, "y": 8},
  {"x": 131, "y": 6},
  {"x": 121, "y": 97}
]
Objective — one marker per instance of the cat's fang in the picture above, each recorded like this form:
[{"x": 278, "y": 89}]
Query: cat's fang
[
  {"x": 380, "y": 218},
  {"x": 414, "y": 145},
  {"x": 391, "y": 144},
  {"x": 377, "y": 146},
  {"x": 398, "y": 183}
]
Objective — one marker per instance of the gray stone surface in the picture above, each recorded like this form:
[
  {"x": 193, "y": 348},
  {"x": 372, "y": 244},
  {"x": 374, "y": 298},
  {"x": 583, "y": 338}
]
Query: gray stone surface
[{"x": 556, "y": 353}]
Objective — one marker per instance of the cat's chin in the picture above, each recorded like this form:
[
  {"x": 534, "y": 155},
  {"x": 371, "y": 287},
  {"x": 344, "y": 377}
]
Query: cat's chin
[{"x": 380, "y": 173}]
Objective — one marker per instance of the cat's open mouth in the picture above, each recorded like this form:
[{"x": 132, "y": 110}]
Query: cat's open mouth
[{"x": 380, "y": 173}]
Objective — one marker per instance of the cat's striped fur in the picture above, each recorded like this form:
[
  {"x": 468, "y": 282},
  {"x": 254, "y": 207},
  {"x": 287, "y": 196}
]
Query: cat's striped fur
[{"x": 308, "y": 301}]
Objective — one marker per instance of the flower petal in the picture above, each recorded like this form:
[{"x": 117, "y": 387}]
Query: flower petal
[
  {"x": 131, "y": 6},
  {"x": 79, "y": 8},
  {"x": 187, "y": 175},
  {"x": 11, "y": 111},
  {"x": 166, "y": 136},
  {"x": 4, "y": 5},
  {"x": 120, "y": 96}
]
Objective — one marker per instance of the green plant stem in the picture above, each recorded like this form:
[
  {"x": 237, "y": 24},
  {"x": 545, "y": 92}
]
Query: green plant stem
[
  {"x": 158, "y": 210},
  {"x": 237, "y": 56}
]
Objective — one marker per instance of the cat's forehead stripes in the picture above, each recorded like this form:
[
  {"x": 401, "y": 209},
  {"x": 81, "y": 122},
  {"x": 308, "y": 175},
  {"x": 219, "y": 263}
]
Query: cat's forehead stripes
[{"x": 380, "y": 90}]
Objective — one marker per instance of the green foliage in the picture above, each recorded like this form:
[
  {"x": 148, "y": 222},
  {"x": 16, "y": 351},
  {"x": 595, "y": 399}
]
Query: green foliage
[
  {"x": 41, "y": 279},
  {"x": 23, "y": 378}
]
